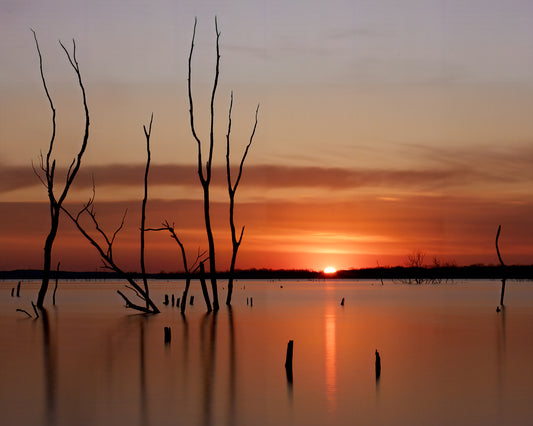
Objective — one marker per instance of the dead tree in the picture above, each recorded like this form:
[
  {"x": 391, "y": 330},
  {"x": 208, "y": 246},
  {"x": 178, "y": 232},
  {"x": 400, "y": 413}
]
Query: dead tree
[
  {"x": 147, "y": 134},
  {"x": 188, "y": 270},
  {"x": 502, "y": 264},
  {"x": 232, "y": 188},
  {"x": 106, "y": 250},
  {"x": 415, "y": 262},
  {"x": 48, "y": 167},
  {"x": 205, "y": 175}
]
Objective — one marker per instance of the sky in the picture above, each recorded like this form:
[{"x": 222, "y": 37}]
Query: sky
[{"x": 385, "y": 128}]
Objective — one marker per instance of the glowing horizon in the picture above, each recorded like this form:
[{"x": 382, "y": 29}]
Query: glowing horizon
[{"x": 382, "y": 129}]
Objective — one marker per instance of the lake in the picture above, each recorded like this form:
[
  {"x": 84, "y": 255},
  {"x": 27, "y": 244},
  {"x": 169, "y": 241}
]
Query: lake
[{"x": 447, "y": 356}]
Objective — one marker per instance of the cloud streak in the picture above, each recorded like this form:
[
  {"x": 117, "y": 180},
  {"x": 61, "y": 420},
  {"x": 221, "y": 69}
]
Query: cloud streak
[{"x": 275, "y": 176}]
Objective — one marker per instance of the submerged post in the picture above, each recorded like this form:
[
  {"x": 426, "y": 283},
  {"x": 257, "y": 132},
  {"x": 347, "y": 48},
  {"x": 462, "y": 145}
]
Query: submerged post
[
  {"x": 288, "y": 360},
  {"x": 167, "y": 335},
  {"x": 18, "y": 289},
  {"x": 378, "y": 365},
  {"x": 342, "y": 302}
]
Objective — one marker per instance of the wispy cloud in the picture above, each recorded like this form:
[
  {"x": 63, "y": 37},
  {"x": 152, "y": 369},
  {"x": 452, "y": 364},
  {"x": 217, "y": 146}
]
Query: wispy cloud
[{"x": 448, "y": 172}]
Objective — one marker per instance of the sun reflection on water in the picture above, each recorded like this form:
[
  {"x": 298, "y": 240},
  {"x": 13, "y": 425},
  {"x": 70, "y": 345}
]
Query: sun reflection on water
[{"x": 331, "y": 358}]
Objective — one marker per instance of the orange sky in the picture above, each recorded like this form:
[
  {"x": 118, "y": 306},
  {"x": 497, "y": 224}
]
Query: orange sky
[{"x": 382, "y": 130}]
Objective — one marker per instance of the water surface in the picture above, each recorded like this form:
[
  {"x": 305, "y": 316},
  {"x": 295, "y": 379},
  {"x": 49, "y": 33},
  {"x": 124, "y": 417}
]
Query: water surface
[{"x": 447, "y": 356}]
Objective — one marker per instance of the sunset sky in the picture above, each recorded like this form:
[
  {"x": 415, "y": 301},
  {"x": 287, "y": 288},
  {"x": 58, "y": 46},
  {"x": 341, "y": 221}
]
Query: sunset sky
[{"x": 385, "y": 127}]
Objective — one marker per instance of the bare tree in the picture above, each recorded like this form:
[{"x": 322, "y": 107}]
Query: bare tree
[
  {"x": 147, "y": 134},
  {"x": 205, "y": 175},
  {"x": 106, "y": 249},
  {"x": 232, "y": 188},
  {"x": 189, "y": 270},
  {"x": 415, "y": 261},
  {"x": 48, "y": 166},
  {"x": 504, "y": 279}
]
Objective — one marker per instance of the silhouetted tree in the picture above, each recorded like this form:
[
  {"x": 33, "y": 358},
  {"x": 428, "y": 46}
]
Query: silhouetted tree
[
  {"x": 48, "y": 167},
  {"x": 232, "y": 188},
  {"x": 415, "y": 261},
  {"x": 147, "y": 134},
  {"x": 502, "y": 264},
  {"x": 205, "y": 173},
  {"x": 205, "y": 176},
  {"x": 106, "y": 249},
  {"x": 189, "y": 270}
]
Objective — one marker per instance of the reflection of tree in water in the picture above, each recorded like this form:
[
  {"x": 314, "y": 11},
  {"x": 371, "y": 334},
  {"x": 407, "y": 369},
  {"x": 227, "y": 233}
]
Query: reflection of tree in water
[
  {"x": 207, "y": 354},
  {"x": 501, "y": 343},
  {"x": 208, "y": 340},
  {"x": 232, "y": 368},
  {"x": 142, "y": 372},
  {"x": 50, "y": 368}
]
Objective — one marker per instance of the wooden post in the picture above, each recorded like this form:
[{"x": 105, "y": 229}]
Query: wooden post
[
  {"x": 167, "y": 335},
  {"x": 191, "y": 302},
  {"x": 172, "y": 300},
  {"x": 378, "y": 365},
  {"x": 251, "y": 301},
  {"x": 13, "y": 292},
  {"x": 165, "y": 302},
  {"x": 288, "y": 360},
  {"x": 178, "y": 302},
  {"x": 18, "y": 289},
  {"x": 342, "y": 302}
]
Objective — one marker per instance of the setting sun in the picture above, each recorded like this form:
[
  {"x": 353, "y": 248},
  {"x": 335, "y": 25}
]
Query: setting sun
[{"x": 329, "y": 270}]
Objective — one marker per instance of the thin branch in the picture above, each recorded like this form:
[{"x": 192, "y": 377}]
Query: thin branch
[
  {"x": 147, "y": 134},
  {"x": 246, "y": 150},
  {"x": 191, "y": 106},
  {"x": 107, "y": 258},
  {"x": 213, "y": 93},
  {"x": 52, "y": 137},
  {"x": 497, "y": 248},
  {"x": 75, "y": 165},
  {"x": 130, "y": 304},
  {"x": 174, "y": 236},
  {"x": 26, "y": 312},
  {"x": 35, "y": 309}
]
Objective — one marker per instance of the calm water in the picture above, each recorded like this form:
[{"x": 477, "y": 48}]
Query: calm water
[{"x": 447, "y": 356}]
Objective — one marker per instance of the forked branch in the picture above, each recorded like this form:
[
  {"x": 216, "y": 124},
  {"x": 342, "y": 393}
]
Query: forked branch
[{"x": 232, "y": 188}]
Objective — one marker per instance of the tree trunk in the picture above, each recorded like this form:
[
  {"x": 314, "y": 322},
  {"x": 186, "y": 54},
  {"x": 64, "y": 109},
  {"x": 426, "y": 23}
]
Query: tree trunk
[
  {"x": 212, "y": 265},
  {"x": 48, "y": 258}
]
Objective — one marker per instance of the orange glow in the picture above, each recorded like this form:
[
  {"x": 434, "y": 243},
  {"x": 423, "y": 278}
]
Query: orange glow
[
  {"x": 331, "y": 358},
  {"x": 329, "y": 270}
]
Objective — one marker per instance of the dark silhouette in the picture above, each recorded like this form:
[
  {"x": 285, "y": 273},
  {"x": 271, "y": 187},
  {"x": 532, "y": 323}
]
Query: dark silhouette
[
  {"x": 208, "y": 355},
  {"x": 168, "y": 335},
  {"x": 232, "y": 188},
  {"x": 189, "y": 271},
  {"x": 204, "y": 288},
  {"x": 55, "y": 287},
  {"x": 378, "y": 365},
  {"x": 106, "y": 250},
  {"x": 288, "y": 360},
  {"x": 205, "y": 178},
  {"x": 502, "y": 264},
  {"x": 50, "y": 369},
  {"x": 48, "y": 167},
  {"x": 147, "y": 134},
  {"x": 205, "y": 174}
]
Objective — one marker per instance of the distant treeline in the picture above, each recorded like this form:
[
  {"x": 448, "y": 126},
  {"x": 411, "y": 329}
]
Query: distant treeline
[{"x": 520, "y": 272}]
